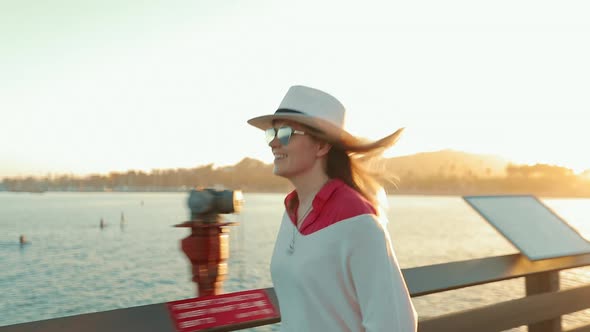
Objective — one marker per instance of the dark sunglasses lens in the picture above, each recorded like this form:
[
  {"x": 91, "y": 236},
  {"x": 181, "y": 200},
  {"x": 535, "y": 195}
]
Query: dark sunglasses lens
[
  {"x": 284, "y": 134},
  {"x": 270, "y": 134}
]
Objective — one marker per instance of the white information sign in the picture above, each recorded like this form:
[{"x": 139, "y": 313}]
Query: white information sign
[{"x": 537, "y": 231}]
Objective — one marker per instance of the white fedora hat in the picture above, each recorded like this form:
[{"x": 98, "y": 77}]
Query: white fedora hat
[
  {"x": 312, "y": 108},
  {"x": 316, "y": 109}
]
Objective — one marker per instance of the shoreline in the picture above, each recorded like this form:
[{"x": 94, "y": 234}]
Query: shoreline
[{"x": 392, "y": 193}]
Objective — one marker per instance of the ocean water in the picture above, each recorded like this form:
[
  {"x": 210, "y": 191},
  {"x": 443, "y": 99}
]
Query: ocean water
[{"x": 73, "y": 266}]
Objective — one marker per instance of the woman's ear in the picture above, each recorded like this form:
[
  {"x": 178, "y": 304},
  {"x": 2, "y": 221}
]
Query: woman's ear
[{"x": 323, "y": 149}]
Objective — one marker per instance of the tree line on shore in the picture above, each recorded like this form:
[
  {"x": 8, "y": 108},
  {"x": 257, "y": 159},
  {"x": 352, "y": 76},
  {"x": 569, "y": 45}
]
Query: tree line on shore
[{"x": 251, "y": 175}]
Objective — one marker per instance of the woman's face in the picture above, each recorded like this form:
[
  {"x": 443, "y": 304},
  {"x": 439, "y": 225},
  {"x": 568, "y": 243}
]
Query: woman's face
[{"x": 298, "y": 156}]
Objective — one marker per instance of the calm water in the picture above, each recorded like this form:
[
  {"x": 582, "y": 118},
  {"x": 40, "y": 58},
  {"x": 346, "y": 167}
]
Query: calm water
[{"x": 72, "y": 266}]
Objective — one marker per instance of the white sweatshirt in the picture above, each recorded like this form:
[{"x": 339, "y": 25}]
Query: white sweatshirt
[{"x": 344, "y": 277}]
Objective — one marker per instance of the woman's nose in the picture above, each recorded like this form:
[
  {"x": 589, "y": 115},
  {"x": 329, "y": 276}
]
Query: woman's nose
[{"x": 274, "y": 143}]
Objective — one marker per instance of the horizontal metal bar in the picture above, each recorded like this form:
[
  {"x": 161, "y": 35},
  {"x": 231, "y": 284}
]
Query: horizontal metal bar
[
  {"x": 148, "y": 318},
  {"x": 421, "y": 281},
  {"x": 509, "y": 314},
  {"x": 437, "y": 278},
  {"x": 585, "y": 328}
]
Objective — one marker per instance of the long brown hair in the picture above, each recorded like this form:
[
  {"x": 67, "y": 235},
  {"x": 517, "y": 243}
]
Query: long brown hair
[{"x": 354, "y": 162}]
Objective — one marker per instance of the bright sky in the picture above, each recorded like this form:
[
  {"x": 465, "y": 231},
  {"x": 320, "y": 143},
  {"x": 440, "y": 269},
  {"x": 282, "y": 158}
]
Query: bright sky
[{"x": 99, "y": 86}]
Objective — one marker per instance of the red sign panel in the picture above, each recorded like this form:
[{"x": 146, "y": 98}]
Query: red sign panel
[{"x": 220, "y": 310}]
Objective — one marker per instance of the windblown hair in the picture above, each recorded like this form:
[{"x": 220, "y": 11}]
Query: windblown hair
[{"x": 351, "y": 162}]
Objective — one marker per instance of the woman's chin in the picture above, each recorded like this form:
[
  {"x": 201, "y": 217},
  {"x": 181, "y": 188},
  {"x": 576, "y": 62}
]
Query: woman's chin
[
  {"x": 279, "y": 171},
  {"x": 276, "y": 170}
]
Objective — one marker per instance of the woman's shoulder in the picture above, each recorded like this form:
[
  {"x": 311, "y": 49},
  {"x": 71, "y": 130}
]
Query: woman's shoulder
[
  {"x": 335, "y": 203},
  {"x": 362, "y": 230},
  {"x": 367, "y": 222},
  {"x": 350, "y": 203}
]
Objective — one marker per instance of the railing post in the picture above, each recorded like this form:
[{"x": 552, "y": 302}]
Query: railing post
[{"x": 543, "y": 283}]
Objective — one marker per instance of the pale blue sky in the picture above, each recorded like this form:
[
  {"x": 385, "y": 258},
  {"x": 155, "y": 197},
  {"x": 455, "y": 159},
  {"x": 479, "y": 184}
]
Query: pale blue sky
[{"x": 99, "y": 86}]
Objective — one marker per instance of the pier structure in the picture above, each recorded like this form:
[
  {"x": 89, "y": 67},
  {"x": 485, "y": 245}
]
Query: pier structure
[{"x": 541, "y": 309}]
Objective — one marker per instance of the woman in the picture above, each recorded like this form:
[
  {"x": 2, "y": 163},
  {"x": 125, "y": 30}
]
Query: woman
[{"x": 333, "y": 266}]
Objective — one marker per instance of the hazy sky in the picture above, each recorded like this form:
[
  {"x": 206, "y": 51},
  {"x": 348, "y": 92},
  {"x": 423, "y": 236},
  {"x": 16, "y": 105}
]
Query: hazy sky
[{"x": 99, "y": 86}]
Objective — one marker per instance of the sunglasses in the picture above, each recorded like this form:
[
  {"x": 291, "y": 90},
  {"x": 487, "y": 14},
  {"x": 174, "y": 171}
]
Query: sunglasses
[{"x": 283, "y": 134}]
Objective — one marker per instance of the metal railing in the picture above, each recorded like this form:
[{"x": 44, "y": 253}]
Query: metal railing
[{"x": 541, "y": 309}]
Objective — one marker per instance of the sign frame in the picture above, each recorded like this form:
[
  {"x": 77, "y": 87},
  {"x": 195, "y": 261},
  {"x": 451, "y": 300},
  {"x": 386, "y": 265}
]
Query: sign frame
[{"x": 514, "y": 239}]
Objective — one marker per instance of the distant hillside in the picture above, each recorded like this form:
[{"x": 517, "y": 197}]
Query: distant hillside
[
  {"x": 446, "y": 163},
  {"x": 440, "y": 172}
]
